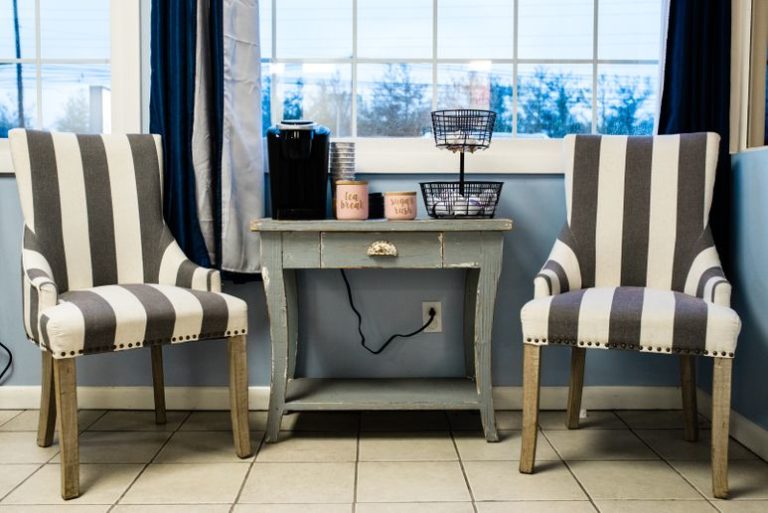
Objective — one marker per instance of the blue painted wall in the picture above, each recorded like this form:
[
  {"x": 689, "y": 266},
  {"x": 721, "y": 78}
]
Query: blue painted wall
[{"x": 390, "y": 301}]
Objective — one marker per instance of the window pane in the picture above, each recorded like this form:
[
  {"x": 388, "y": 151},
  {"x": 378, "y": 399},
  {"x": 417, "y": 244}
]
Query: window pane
[
  {"x": 76, "y": 29},
  {"x": 394, "y": 100},
  {"x": 394, "y": 29},
  {"x": 15, "y": 86},
  {"x": 319, "y": 92},
  {"x": 626, "y": 99},
  {"x": 554, "y": 100},
  {"x": 475, "y": 30},
  {"x": 76, "y": 98},
  {"x": 629, "y": 29},
  {"x": 266, "y": 96},
  {"x": 555, "y": 29},
  {"x": 26, "y": 33},
  {"x": 265, "y": 28},
  {"x": 312, "y": 29},
  {"x": 478, "y": 85}
]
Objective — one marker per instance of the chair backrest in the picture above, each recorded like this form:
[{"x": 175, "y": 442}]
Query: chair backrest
[
  {"x": 93, "y": 204},
  {"x": 638, "y": 207}
]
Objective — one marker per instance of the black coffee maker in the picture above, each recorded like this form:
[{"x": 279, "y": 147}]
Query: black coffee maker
[{"x": 298, "y": 169}]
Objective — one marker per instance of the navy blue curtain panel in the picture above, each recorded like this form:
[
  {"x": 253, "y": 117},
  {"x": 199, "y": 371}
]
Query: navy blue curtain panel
[
  {"x": 171, "y": 108},
  {"x": 697, "y": 89}
]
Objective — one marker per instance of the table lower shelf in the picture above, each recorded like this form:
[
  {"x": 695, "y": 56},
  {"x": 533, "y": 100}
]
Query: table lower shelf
[{"x": 306, "y": 394}]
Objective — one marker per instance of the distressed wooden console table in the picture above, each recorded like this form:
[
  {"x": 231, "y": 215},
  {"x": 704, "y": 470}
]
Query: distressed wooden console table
[{"x": 475, "y": 245}]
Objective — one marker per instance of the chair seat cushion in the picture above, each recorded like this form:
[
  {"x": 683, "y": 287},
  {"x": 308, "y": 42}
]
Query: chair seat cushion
[
  {"x": 659, "y": 321},
  {"x": 119, "y": 317}
]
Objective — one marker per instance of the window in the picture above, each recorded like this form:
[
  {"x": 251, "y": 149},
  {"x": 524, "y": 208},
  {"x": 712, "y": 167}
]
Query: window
[
  {"x": 547, "y": 67},
  {"x": 55, "y": 65}
]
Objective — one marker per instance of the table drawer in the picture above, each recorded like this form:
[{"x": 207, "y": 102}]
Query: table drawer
[{"x": 381, "y": 249}]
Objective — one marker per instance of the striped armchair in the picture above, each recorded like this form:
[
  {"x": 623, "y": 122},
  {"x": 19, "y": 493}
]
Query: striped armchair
[
  {"x": 635, "y": 268},
  {"x": 101, "y": 272}
]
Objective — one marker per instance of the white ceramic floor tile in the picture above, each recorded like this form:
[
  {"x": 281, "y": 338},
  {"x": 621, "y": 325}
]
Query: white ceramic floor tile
[
  {"x": 293, "y": 508},
  {"x": 411, "y": 482},
  {"x": 6, "y": 415},
  {"x": 596, "y": 419},
  {"x": 219, "y": 421},
  {"x": 656, "y": 419},
  {"x": 99, "y": 484},
  {"x": 759, "y": 506},
  {"x": 502, "y": 481},
  {"x": 632, "y": 480},
  {"x": 310, "y": 483},
  {"x": 127, "y": 420},
  {"x": 671, "y": 444},
  {"x": 662, "y": 506},
  {"x": 50, "y": 508},
  {"x": 27, "y": 420},
  {"x": 309, "y": 447},
  {"x": 747, "y": 479},
  {"x": 192, "y": 483},
  {"x": 417, "y": 446},
  {"x": 21, "y": 447},
  {"x": 599, "y": 444},
  {"x": 11, "y": 475},
  {"x": 537, "y": 507},
  {"x": 119, "y": 446},
  {"x": 415, "y": 507},
  {"x": 203, "y": 447},
  {"x": 172, "y": 508},
  {"x": 473, "y": 447},
  {"x": 404, "y": 421}
]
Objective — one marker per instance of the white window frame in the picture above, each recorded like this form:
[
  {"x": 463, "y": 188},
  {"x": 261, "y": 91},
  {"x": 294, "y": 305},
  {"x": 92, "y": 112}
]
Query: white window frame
[
  {"x": 409, "y": 155},
  {"x": 125, "y": 65}
]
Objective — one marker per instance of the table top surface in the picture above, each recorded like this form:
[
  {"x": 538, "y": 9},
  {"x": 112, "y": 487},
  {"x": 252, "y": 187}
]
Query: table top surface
[{"x": 417, "y": 225}]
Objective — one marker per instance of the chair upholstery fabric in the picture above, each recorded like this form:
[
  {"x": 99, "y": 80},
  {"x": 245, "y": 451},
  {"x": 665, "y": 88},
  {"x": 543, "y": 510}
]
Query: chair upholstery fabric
[
  {"x": 635, "y": 266},
  {"x": 92, "y": 207}
]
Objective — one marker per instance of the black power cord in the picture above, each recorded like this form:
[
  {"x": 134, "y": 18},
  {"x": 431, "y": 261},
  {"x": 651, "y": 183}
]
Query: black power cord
[
  {"x": 7, "y": 365},
  {"x": 432, "y": 314}
]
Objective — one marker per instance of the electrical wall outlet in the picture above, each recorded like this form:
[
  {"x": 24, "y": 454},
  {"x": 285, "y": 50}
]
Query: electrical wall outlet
[{"x": 437, "y": 323}]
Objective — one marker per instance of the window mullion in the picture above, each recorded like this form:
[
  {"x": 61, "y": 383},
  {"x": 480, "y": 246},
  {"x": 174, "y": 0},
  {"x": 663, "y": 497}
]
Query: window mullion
[
  {"x": 594, "y": 67},
  {"x": 515, "y": 81},
  {"x": 354, "y": 70},
  {"x": 434, "y": 54},
  {"x": 38, "y": 65}
]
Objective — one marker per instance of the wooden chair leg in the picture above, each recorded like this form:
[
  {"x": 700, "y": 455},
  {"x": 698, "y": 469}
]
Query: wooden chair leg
[
  {"x": 721, "y": 415},
  {"x": 46, "y": 423},
  {"x": 531, "y": 375},
  {"x": 688, "y": 386},
  {"x": 64, "y": 377},
  {"x": 238, "y": 395},
  {"x": 575, "y": 387},
  {"x": 158, "y": 384}
]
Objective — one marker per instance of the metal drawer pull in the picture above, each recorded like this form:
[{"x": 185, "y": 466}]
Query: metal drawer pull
[{"x": 382, "y": 248}]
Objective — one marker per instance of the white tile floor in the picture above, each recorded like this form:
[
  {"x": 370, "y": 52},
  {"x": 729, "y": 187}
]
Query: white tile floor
[{"x": 619, "y": 462}]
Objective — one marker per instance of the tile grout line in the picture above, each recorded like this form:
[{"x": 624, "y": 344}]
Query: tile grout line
[
  {"x": 262, "y": 441},
  {"x": 9, "y": 420},
  {"x": 461, "y": 461},
  {"x": 662, "y": 458},
  {"x": 357, "y": 461},
  {"x": 570, "y": 470},
  {"x": 146, "y": 465}
]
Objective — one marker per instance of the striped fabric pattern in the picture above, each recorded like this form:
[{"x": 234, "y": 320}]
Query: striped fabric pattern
[
  {"x": 635, "y": 266},
  {"x": 92, "y": 206}
]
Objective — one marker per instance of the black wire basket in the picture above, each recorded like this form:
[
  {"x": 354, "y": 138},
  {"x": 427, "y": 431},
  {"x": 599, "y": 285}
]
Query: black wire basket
[
  {"x": 463, "y": 129},
  {"x": 461, "y": 200}
]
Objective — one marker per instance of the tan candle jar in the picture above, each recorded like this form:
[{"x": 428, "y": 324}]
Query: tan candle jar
[
  {"x": 400, "y": 206},
  {"x": 351, "y": 200}
]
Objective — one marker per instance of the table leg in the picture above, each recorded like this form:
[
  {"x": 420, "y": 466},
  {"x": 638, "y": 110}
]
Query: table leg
[
  {"x": 277, "y": 308},
  {"x": 488, "y": 278},
  {"x": 470, "y": 302},
  {"x": 293, "y": 320}
]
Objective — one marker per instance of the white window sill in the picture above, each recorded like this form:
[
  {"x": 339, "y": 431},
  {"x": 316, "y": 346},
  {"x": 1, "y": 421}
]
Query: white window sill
[{"x": 420, "y": 156}]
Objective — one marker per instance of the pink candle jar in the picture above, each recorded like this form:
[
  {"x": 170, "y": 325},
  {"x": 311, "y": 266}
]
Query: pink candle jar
[
  {"x": 399, "y": 206},
  {"x": 351, "y": 200}
]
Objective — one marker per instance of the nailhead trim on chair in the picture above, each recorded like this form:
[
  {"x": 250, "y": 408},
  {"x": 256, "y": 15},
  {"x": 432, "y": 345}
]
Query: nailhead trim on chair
[
  {"x": 616, "y": 345},
  {"x": 152, "y": 342}
]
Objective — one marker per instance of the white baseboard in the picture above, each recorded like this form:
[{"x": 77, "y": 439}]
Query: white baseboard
[
  {"x": 749, "y": 434},
  {"x": 217, "y": 398}
]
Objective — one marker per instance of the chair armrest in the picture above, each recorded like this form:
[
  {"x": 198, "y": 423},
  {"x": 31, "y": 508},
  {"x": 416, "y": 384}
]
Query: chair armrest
[
  {"x": 561, "y": 272},
  {"x": 706, "y": 279},
  {"x": 176, "y": 269},
  {"x": 38, "y": 286}
]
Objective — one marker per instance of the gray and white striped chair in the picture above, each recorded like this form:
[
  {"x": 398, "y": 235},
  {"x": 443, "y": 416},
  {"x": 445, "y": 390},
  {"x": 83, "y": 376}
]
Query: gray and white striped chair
[
  {"x": 635, "y": 268},
  {"x": 101, "y": 272}
]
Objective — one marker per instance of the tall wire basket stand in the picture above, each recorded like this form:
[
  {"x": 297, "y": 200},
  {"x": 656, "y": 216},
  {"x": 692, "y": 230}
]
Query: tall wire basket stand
[{"x": 462, "y": 130}]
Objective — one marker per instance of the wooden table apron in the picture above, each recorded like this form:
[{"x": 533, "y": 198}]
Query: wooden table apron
[{"x": 474, "y": 245}]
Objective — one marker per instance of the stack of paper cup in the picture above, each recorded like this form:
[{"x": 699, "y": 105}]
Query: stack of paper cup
[{"x": 342, "y": 161}]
